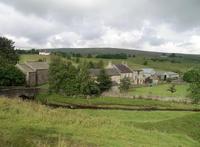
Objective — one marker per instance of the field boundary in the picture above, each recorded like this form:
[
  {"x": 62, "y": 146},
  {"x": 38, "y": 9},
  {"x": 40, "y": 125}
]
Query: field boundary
[
  {"x": 148, "y": 97},
  {"x": 117, "y": 107}
]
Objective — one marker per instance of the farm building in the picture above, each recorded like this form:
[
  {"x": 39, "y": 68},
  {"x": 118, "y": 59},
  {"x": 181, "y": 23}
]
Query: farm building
[
  {"x": 148, "y": 72},
  {"x": 163, "y": 75},
  {"x": 136, "y": 76},
  {"x": 36, "y": 72}
]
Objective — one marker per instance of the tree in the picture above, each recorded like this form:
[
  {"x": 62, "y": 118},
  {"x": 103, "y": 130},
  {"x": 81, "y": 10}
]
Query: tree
[
  {"x": 11, "y": 76},
  {"x": 100, "y": 64},
  {"x": 89, "y": 56},
  {"x": 145, "y": 63},
  {"x": 104, "y": 81},
  {"x": 7, "y": 52},
  {"x": 70, "y": 82},
  {"x": 193, "y": 77},
  {"x": 195, "y": 92},
  {"x": 90, "y": 64},
  {"x": 125, "y": 84},
  {"x": 172, "y": 88},
  {"x": 90, "y": 88},
  {"x": 56, "y": 74},
  {"x": 77, "y": 60}
]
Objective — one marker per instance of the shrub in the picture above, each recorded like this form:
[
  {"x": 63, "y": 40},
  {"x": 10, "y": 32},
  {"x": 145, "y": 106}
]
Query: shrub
[{"x": 172, "y": 88}]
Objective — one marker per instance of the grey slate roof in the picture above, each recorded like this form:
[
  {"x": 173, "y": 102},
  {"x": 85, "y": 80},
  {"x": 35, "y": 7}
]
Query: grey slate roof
[
  {"x": 32, "y": 66},
  {"x": 123, "y": 68},
  {"x": 162, "y": 73},
  {"x": 24, "y": 68},
  {"x": 109, "y": 72},
  {"x": 149, "y": 71},
  {"x": 38, "y": 65}
]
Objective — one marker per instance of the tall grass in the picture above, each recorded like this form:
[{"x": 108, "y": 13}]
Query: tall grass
[{"x": 32, "y": 124}]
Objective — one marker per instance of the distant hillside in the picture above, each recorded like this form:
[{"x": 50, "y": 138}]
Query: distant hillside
[{"x": 95, "y": 51}]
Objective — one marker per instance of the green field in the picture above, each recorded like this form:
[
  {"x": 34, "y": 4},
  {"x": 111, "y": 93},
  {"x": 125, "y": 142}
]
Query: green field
[
  {"x": 162, "y": 91},
  {"x": 25, "y": 58},
  {"x": 134, "y": 63},
  {"x": 31, "y": 124}
]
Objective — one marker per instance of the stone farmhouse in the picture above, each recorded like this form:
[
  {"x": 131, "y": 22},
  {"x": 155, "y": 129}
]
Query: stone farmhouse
[
  {"x": 36, "y": 72},
  {"x": 118, "y": 72},
  {"x": 111, "y": 72},
  {"x": 136, "y": 76}
]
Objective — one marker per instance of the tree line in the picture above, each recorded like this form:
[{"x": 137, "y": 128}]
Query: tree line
[{"x": 113, "y": 56}]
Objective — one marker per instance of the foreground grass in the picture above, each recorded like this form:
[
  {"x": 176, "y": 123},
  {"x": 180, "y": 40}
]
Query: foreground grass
[
  {"x": 31, "y": 124},
  {"x": 162, "y": 91},
  {"x": 114, "y": 102}
]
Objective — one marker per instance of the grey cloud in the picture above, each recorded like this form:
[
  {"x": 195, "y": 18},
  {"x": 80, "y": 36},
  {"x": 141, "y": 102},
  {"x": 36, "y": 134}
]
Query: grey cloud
[
  {"x": 86, "y": 21},
  {"x": 183, "y": 14}
]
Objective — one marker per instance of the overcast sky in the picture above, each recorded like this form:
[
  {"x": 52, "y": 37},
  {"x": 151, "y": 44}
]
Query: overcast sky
[{"x": 152, "y": 25}]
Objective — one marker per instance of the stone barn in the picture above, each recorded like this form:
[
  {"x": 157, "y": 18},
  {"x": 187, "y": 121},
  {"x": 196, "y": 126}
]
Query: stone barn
[{"x": 36, "y": 72}]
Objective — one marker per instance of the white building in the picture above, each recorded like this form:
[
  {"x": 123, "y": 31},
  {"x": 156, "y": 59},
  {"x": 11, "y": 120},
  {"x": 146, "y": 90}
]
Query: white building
[{"x": 44, "y": 53}]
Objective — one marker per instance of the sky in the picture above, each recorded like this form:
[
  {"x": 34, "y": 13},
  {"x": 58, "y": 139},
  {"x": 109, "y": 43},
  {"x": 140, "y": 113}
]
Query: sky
[{"x": 152, "y": 25}]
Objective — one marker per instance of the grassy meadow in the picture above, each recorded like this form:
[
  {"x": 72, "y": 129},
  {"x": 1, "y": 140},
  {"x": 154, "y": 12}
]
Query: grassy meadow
[
  {"x": 134, "y": 62},
  {"x": 33, "y": 57},
  {"x": 162, "y": 91},
  {"x": 31, "y": 124}
]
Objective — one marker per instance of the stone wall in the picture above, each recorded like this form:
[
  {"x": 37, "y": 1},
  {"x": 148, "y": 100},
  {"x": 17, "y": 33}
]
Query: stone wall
[
  {"x": 31, "y": 79},
  {"x": 13, "y": 92},
  {"x": 42, "y": 76}
]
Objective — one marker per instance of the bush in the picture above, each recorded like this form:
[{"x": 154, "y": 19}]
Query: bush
[
  {"x": 172, "y": 88},
  {"x": 11, "y": 76}
]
